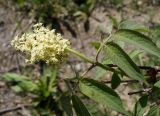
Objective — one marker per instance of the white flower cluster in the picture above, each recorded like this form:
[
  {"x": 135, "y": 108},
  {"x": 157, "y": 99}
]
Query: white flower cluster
[{"x": 42, "y": 45}]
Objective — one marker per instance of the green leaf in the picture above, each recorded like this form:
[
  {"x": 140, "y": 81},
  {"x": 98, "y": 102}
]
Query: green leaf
[
  {"x": 95, "y": 109},
  {"x": 123, "y": 61},
  {"x": 133, "y": 26},
  {"x": 95, "y": 44},
  {"x": 49, "y": 76},
  {"x": 79, "y": 107},
  {"x": 114, "y": 21},
  {"x": 101, "y": 93},
  {"x": 143, "y": 101},
  {"x": 154, "y": 111},
  {"x": 23, "y": 82},
  {"x": 65, "y": 102},
  {"x": 16, "y": 89},
  {"x": 138, "y": 40},
  {"x": 100, "y": 72},
  {"x": 140, "y": 106},
  {"x": 155, "y": 93},
  {"x": 115, "y": 82},
  {"x": 134, "y": 53},
  {"x": 156, "y": 34},
  {"x": 157, "y": 84}
]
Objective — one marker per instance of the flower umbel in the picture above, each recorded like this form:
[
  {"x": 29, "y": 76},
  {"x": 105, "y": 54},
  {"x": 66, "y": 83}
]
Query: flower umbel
[{"x": 42, "y": 45}]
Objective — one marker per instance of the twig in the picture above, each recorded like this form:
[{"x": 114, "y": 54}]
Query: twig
[
  {"x": 101, "y": 46},
  {"x": 140, "y": 91},
  {"x": 124, "y": 81},
  {"x": 14, "y": 108},
  {"x": 73, "y": 69},
  {"x": 98, "y": 51},
  {"x": 92, "y": 66},
  {"x": 82, "y": 76}
]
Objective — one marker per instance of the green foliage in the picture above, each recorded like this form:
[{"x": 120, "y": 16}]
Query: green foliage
[
  {"x": 65, "y": 102},
  {"x": 123, "y": 61},
  {"x": 44, "y": 88},
  {"x": 101, "y": 94},
  {"x": 52, "y": 9},
  {"x": 157, "y": 84},
  {"x": 140, "y": 106},
  {"x": 138, "y": 40},
  {"x": 133, "y": 26},
  {"x": 79, "y": 107},
  {"x": 22, "y": 83},
  {"x": 51, "y": 99},
  {"x": 115, "y": 81},
  {"x": 154, "y": 111},
  {"x": 95, "y": 44}
]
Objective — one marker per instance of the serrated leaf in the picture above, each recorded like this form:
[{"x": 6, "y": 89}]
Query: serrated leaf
[
  {"x": 123, "y": 61},
  {"x": 133, "y": 26},
  {"x": 154, "y": 111},
  {"x": 138, "y": 40},
  {"x": 115, "y": 82},
  {"x": 101, "y": 93},
  {"x": 79, "y": 107},
  {"x": 23, "y": 82}
]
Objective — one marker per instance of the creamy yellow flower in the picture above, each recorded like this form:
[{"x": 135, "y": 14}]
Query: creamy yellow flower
[{"x": 42, "y": 45}]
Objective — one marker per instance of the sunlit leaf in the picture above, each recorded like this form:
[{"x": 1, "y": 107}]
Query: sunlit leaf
[
  {"x": 101, "y": 93},
  {"x": 157, "y": 84},
  {"x": 134, "y": 53},
  {"x": 123, "y": 61},
  {"x": 95, "y": 44},
  {"x": 138, "y": 40},
  {"x": 133, "y": 26}
]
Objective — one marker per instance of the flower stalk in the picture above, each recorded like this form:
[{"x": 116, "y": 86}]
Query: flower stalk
[
  {"x": 90, "y": 60},
  {"x": 80, "y": 55}
]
